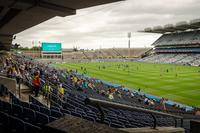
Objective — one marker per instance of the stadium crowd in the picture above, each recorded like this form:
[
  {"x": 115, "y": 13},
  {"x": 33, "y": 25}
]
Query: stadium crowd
[{"x": 43, "y": 76}]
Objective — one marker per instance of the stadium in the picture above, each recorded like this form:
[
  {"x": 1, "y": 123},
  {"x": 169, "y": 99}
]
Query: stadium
[{"x": 119, "y": 90}]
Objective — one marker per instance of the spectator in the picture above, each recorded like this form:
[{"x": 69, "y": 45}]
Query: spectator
[
  {"x": 162, "y": 102},
  {"x": 46, "y": 90},
  {"x": 110, "y": 96},
  {"x": 61, "y": 91},
  {"x": 146, "y": 101},
  {"x": 91, "y": 85},
  {"x": 36, "y": 83},
  {"x": 85, "y": 86}
]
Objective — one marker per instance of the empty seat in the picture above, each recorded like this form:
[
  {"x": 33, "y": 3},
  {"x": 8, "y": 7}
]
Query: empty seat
[
  {"x": 24, "y": 104},
  {"x": 17, "y": 110},
  {"x": 6, "y": 107},
  {"x": 117, "y": 125},
  {"x": 4, "y": 120},
  {"x": 16, "y": 124},
  {"x": 55, "y": 104},
  {"x": 55, "y": 108},
  {"x": 51, "y": 118},
  {"x": 76, "y": 114},
  {"x": 106, "y": 121},
  {"x": 130, "y": 126},
  {"x": 35, "y": 107},
  {"x": 64, "y": 111},
  {"x": 89, "y": 118},
  {"x": 56, "y": 114},
  {"x": 31, "y": 128},
  {"x": 41, "y": 119},
  {"x": 45, "y": 110},
  {"x": 69, "y": 106},
  {"x": 29, "y": 115}
]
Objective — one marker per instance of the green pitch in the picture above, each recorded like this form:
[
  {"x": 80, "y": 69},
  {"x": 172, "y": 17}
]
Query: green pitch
[{"x": 178, "y": 83}]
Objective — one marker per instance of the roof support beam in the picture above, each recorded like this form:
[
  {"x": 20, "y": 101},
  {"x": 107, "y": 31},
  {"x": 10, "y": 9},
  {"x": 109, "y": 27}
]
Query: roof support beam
[
  {"x": 5, "y": 41},
  {"x": 3, "y": 12}
]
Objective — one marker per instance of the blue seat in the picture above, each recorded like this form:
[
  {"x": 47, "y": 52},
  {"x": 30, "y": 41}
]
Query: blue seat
[
  {"x": 64, "y": 111},
  {"x": 31, "y": 128},
  {"x": 69, "y": 106},
  {"x": 55, "y": 104},
  {"x": 55, "y": 108},
  {"x": 45, "y": 110},
  {"x": 35, "y": 107},
  {"x": 76, "y": 114},
  {"x": 4, "y": 120},
  {"x": 56, "y": 114},
  {"x": 106, "y": 121},
  {"x": 17, "y": 110},
  {"x": 41, "y": 119},
  {"x": 24, "y": 104},
  {"x": 89, "y": 118},
  {"x": 28, "y": 115},
  {"x": 16, "y": 124},
  {"x": 93, "y": 116},
  {"x": 117, "y": 125},
  {"x": 6, "y": 107},
  {"x": 80, "y": 111},
  {"x": 1, "y": 105},
  {"x": 51, "y": 118},
  {"x": 130, "y": 126}
]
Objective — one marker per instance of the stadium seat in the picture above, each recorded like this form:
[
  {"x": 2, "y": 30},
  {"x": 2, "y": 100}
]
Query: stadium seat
[
  {"x": 17, "y": 110},
  {"x": 29, "y": 128},
  {"x": 64, "y": 111},
  {"x": 51, "y": 118},
  {"x": 45, "y": 110},
  {"x": 117, "y": 125},
  {"x": 56, "y": 113},
  {"x": 35, "y": 107},
  {"x": 6, "y": 107},
  {"x": 76, "y": 114},
  {"x": 4, "y": 120},
  {"x": 16, "y": 124},
  {"x": 24, "y": 104},
  {"x": 89, "y": 118},
  {"x": 41, "y": 119},
  {"x": 28, "y": 115},
  {"x": 55, "y": 108}
]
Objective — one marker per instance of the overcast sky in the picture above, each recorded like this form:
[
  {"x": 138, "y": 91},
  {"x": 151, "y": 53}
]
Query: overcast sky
[{"x": 107, "y": 26}]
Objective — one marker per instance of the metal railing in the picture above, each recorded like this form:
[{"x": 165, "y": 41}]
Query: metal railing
[{"x": 101, "y": 103}]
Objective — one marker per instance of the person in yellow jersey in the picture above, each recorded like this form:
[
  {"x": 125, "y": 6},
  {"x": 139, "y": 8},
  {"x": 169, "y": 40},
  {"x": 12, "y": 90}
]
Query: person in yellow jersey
[
  {"x": 46, "y": 89},
  {"x": 61, "y": 91},
  {"x": 75, "y": 80}
]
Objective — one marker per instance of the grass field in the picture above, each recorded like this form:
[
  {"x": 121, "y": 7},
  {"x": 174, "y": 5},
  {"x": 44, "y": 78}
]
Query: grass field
[{"x": 180, "y": 83}]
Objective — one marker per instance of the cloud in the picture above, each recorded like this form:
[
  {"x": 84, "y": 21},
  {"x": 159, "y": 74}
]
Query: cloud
[{"x": 107, "y": 25}]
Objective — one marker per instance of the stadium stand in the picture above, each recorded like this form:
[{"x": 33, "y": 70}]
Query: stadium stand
[
  {"x": 178, "y": 46},
  {"x": 85, "y": 55},
  {"x": 34, "y": 114}
]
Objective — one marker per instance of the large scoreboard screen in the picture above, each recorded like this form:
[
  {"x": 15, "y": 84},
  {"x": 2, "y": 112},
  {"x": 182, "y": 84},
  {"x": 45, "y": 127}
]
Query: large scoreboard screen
[{"x": 51, "y": 47}]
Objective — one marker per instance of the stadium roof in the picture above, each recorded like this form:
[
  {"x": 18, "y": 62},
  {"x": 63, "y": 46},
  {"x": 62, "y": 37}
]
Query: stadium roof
[
  {"x": 180, "y": 26},
  {"x": 19, "y": 15}
]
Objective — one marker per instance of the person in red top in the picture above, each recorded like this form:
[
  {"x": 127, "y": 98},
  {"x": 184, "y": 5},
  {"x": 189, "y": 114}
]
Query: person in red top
[{"x": 36, "y": 83}]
